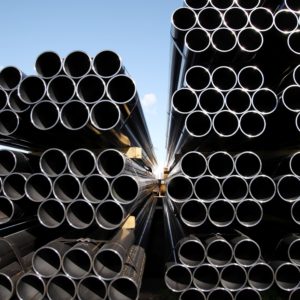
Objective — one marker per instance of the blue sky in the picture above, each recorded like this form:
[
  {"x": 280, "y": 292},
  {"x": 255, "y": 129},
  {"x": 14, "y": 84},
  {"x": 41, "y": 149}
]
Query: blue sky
[{"x": 138, "y": 30}]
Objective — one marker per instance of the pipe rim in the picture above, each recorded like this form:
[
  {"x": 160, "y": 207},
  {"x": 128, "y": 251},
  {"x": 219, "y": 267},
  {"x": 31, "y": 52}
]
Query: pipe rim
[
  {"x": 188, "y": 194},
  {"x": 204, "y": 116},
  {"x": 197, "y": 153},
  {"x": 288, "y": 199},
  {"x": 251, "y": 223},
  {"x": 3, "y": 83},
  {"x": 291, "y": 13},
  {"x": 278, "y": 281},
  {"x": 187, "y": 43},
  {"x": 124, "y": 277},
  {"x": 213, "y": 28},
  {"x": 177, "y": 26},
  {"x": 229, "y": 48},
  {"x": 211, "y": 293},
  {"x": 267, "y": 11},
  {"x": 193, "y": 223},
  {"x": 257, "y": 3},
  {"x": 267, "y": 266},
  {"x": 231, "y": 71},
  {"x": 212, "y": 260},
  {"x": 265, "y": 199},
  {"x": 36, "y": 78},
  {"x": 211, "y": 90},
  {"x": 40, "y": 197},
  {"x": 6, "y": 216},
  {"x": 41, "y": 281},
  {"x": 291, "y": 38},
  {"x": 201, "y": 294},
  {"x": 14, "y": 118},
  {"x": 212, "y": 267},
  {"x": 184, "y": 260},
  {"x": 254, "y": 243},
  {"x": 70, "y": 280},
  {"x": 52, "y": 97},
  {"x": 224, "y": 154},
  {"x": 235, "y": 111},
  {"x": 242, "y": 181},
  {"x": 92, "y": 198},
  {"x": 21, "y": 194},
  {"x": 202, "y": 69},
  {"x": 66, "y": 199},
  {"x": 9, "y": 287},
  {"x": 255, "y": 49},
  {"x": 221, "y": 224},
  {"x": 241, "y": 10},
  {"x": 39, "y": 72},
  {"x": 268, "y": 112},
  {"x": 212, "y": 199},
  {"x": 81, "y": 282},
  {"x": 262, "y": 118},
  {"x": 235, "y": 265},
  {"x": 238, "y": 171},
  {"x": 229, "y": 133}
]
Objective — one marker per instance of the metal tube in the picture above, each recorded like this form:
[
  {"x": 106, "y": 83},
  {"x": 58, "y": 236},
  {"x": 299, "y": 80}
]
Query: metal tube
[
  {"x": 296, "y": 75},
  {"x": 95, "y": 188},
  {"x": 191, "y": 251},
  {"x": 61, "y": 89},
  {"x": 288, "y": 188},
  {"x": 249, "y": 213},
  {"x": 265, "y": 101},
  {"x": 38, "y": 187},
  {"x": 222, "y": 5},
  {"x": 207, "y": 188},
  {"x": 92, "y": 288},
  {"x": 235, "y": 188},
  {"x": 221, "y": 213},
  {"x": 3, "y": 99},
  {"x": 107, "y": 64},
  {"x": 90, "y": 89},
  {"x": 286, "y": 21},
  {"x": 53, "y": 162},
  {"x": 247, "y": 164},
  {"x": 74, "y": 115},
  {"x": 252, "y": 124},
  {"x": 261, "y": 19},
  {"x": 109, "y": 260},
  {"x": 262, "y": 188},
  {"x": 261, "y": 276},
  {"x": 81, "y": 162},
  {"x": 295, "y": 212},
  {"x": 293, "y": 42},
  {"x": 193, "y": 213},
  {"x": 110, "y": 214},
  {"x": 238, "y": 100},
  {"x": 233, "y": 277},
  {"x": 248, "y": 293},
  {"x": 294, "y": 164},
  {"x": 289, "y": 96},
  {"x": 44, "y": 115},
  {"x": 287, "y": 275},
  {"x": 244, "y": 4},
  {"x": 12, "y": 161},
  {"x": 77, "y": 64},
  {"x": 80, "y": 214},
  {"x": 220, "y": 293},
  {"x": 210, "y": 18},
  {"x": 219, "y": 251},
  {"x": 198, "y": 124},
  {"x": 47, "y": 260},
  {"x": 8, "y": 210},
  {"x": 14, "y": 186},
  {"x": 9, "y": 122},
  {"x": 32, "y": 89},
  {"x": 224, "y": 78},
  {"x": 292, "y": 5},
  {"x": 293, "y": 251},
  {"x": 220, "y": 164},
  {"x": 10, "y": 78},
  {"x": 224, "y": 39},
  {"x": 192, "y": 293},
  {"x": 250, "y": 78},
  {"x": 66, "y": 188},
  {"x": 185, "y": 190},
  {"x": 197, "y": 78},
  {"x": 15, "y": 103},
  {"x": 51, "y": 213},
  {"x": 196, "y": 4},
  {"x": 250, "y": 40},
  {"x": 48, "y": 64},
  {"x": 193, "y": 164},
  {"x": 235, "y": 18},
  {"x": 211, "y": 100},
  {"x": 206, "y": 277},
  {"x": 30, "y": 286},
  {"x": 77, "y": 261},
  {"x": 295, "y": 294},
  {"x": 225, "y": 123},
  {"x": 61, "y": 287}
]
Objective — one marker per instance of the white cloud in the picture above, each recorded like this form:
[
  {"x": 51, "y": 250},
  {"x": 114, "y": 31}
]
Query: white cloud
[{"x": 149, "y": 103}]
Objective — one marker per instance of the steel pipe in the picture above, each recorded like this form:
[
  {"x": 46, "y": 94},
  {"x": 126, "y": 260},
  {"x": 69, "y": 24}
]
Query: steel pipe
[
  {"x": 47, "y": 260},
  {"x": 48, "y": 64},
  {"x": 247, "y": 164},
  {"x": 92, "y": 288},
  {"x": 211, "y": 100},
  {"x": 95, "y": 188},
  {"x": 207, "y": 188},
  {"x": 296, "y": 75},
  {"x": 288, "y": 188},
  {"x": 38, "y": 187},
  {"x": 14, "y": 186},
  {"x": 293, "y": 42},
  {"x": 220, "y": 164},
  {"x": 206, "y": 277},
  {"x": 66, "y": 188},
  {"x": 61, "y": 287},
  {"x": 30, "y": 286},
  {"x": 262, "y": 188},
  {"x": 12, "y": 161},
  {"x": 235, "y": 18},
  {"x": 224, "y": 78},
  {"x": 90, "y": 89},
  {"x": 10, "y": 78},
  {"x": 210, "y": 18},
  {"x": 9, "y": 122},
  {"x": 261, "y": 276},
  {"x": 197, "y": 78},
  {"x": 235, "y": 188},
  {"x": 261, "y": 19},
  {"x": 293, "y": 250},
  {"x": 292, "y": 5},
  {"x": 80, "y": 214},
  {"x": 250, "y": 40},
  {"x": 193, "y": 213},
  {"x": 109, "y": 260},
  {"x": 195, "y": 4},
  {"x": 182, "y": 194},
  {"x": 197, "y": 124},
  {"x": 286, "y": 21},
  {"x": 77, "y": 64},
  {"x": 8, "y": 210},
  {"x": 289, "y": 96},
  {"x": 252, "y": 124},
  {"x": 3, "y": 99},
  {"x": 233, "y": 277},
  {"x": 192, "y": 293},
  {"x": 44, "y": 115},
  {"x": 295, "y": 212},
  {"x": 238, "y": 100},
  {"x": 295, "y": 294},
  {"x": 248, "y": 293},
  {"x": 53, "y": 162},
  {"x": 265, "y": 101},
  {"x": 81, "y": 162},
  {"x": 221, "y": 213},
  {"x": 249, "y": 213},
  {"x": 15, "y": 103},
  {"x": 220, "y": 293},
  {"x": 294, "y": 164},
  {"x": 32, "y": 89},
  {"x": 222, "y": 5},
  {"x": 61, "y": 89},
  {"x": 244, "y": 4},
  {"x": 225, "y": 123},
  {"x": 51, "y": 213},
  {"x": 224, "y": 40},
  {"x": 219, "y": 251},
  {"x": 193, "y": 164},
  {"x": 250, "y": 78},
  {"x": 191, "y": 251}
]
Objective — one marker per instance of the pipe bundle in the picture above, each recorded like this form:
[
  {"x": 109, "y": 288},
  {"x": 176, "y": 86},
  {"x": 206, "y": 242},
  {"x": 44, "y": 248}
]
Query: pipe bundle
[{"x": 232, "y": 149}]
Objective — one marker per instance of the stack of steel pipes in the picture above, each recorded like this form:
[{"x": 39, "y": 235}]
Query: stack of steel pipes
[
  {"x": 75, "y": 157},
  {"x": 233, "y": 150}
]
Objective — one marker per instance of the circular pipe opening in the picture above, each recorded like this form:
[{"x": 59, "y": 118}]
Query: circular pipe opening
[
  {"x": 15, "y": 103},
  {"x": 81, "y": 162},
  {"x": 191, "y": 253},
  {"x": 9, "y": 122},
  {"x": 197, "y": 40},
  {"x": 197, "y": 78},
  {"x": 295, "y": 212},
  {"x": 178, "y": 278},
  {"x": 261, "y": 19},
  {"x": 286, "y": 21},
  {"x": 184, "y": 101},
  {"x": 193, "y": 164},
  {"x": 10, "y": 78},
  {"x": 38, "y": 187},
  {"x": 224, "y": 78},
  {"x": 61, "y": 89},
  {"x": 80, "y": 214},
  {"x": 265, "y": 101},
  {"x": 207, "y": 188},
  {"x": 180, "y": 188},
  {"x": 220, "y": 164},
  {"x": 210, "y": 19},
  {"x": 219, "y": 253},
  {"x": 235, "y": 18},
  {"x": 198, "y": 124},
  {"x": 248, "y": 294},
  {"x": 287, "y": 276},
  {"x": 221, "y": 213},
  {"x": 250, "y": 40},
  {"x": 288, "y": 188},
  {"x": 225, "y": 123},
  {"x": 51, "y": 213},
  {"x": 249, "y": 213},
  {"x": 8, "y": 162},
  {"x": 220, "y": 293},
  {"x": 183, "y": 19},
  {"x": 7, "y": 211},
  {"x": 66, "y": 188},
  {"x": 296, "y": 75},
  {"x": 193, "y": 213},
  {"x": 261, "y": 277},
  {"x": 262, "y": 188},
  {"x": 294, "y": 164},
  {"x": 44, "y": 115},
  {"x": 123, "y": 288},
  {"x": 90, "y": 89},
  {"x": 223, "y": 40},
  {"x": 292, "y": 5},
  {"x": 238, "y": 100},
  {"x": 293, "y": 42},
  {"x": 246, "y": 5},
  {"x": 247, "y": 252},
  {"x": 30, "y": 286},
  {"x": 32, "y": 89},
  {"x": 192, "y": 293},
  {"x": 61, "y": 287},
  {"x": 290, "y": 96},
  {"x": 252, "y": 124},
  {"x": 211, "y": 100},
  {"x": 92, "y": 288},
  {"x": 77, "y": 64},
  {"x": 248, "y": 164},
  {"x": 196, "y": 4},
  {"x": 14, "y": 186},
  {"x": 222, "y": 5},
  {"x": 250, "y": 78},
  {"x": 235, "y": 188},
  {"x": 53, "y": 162},
  {"x": 233, "y": 277},
  {"x": 111, "y": 163},
  {"x": 95, "y": 188},
  {"x": 48, "y": 64},
  {"x": 294, "y": 252},
  {"x": 206, "y": 277}
]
